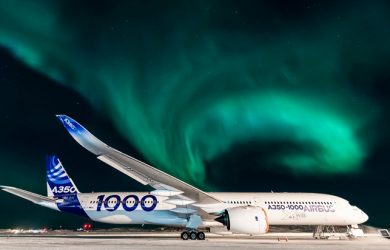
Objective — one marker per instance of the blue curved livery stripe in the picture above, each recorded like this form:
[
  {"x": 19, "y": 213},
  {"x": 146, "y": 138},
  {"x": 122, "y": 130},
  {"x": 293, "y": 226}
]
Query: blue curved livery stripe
[
  {"x": 62, "y": 187},
  {"x": 71, "y": 204},
  {"x": 56, "y": 175}
]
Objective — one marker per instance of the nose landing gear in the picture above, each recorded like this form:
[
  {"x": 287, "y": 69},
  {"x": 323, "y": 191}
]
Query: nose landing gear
[{"x": 193, "y": 235}]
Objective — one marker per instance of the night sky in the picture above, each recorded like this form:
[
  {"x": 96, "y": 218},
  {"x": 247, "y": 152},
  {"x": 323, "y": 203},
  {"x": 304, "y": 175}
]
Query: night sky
[{"x": 226, "y": 95}]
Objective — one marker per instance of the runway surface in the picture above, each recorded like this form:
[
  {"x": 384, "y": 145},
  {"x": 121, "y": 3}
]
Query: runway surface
[{"x": 163, "y": 241}]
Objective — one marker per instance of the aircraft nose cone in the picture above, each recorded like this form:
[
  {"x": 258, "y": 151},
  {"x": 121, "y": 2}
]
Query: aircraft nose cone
[
  {"x": 358, "y": 216},
  {"x": 364, "y": 217}
]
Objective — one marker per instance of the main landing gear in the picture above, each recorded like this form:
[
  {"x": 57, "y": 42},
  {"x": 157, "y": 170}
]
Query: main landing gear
[{"x": 193, "y": 235}]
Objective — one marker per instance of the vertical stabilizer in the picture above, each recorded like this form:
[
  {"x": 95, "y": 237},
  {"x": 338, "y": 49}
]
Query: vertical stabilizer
[{"x": 58, "y": 182}]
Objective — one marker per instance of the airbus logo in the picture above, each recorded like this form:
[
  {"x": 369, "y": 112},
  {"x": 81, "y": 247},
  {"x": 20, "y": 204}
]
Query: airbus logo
[{"x": 69, "y": 123}]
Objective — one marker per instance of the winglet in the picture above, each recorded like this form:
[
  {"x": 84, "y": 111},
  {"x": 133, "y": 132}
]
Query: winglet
[
  {"x": 82, "y": 135},
  {"x": 71, "y": 125}
]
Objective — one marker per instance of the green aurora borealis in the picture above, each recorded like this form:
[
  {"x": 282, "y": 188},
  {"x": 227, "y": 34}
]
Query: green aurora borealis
[{"x": 185, "y": 82}]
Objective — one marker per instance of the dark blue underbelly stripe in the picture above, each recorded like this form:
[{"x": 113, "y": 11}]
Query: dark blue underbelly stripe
[{"x": 71, "y": 204}]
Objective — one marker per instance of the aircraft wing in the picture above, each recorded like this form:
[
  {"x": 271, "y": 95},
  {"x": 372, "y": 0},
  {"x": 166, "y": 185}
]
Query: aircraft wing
[{"x": 164, "y": 183}]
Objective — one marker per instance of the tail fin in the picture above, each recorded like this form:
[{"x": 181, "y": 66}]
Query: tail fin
[{"x": 58, "y": 182}]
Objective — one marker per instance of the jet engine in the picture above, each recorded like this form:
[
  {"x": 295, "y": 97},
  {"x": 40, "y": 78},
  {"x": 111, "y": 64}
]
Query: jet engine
[{"x": 245, "y": 220}]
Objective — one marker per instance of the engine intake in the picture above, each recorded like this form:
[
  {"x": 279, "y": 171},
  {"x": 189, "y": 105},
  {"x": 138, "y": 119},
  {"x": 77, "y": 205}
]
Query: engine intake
[{"x": 246, "y": 220}]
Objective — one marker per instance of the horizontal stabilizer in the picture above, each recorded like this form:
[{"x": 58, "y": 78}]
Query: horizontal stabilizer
[{"x": 35, "y": 198}]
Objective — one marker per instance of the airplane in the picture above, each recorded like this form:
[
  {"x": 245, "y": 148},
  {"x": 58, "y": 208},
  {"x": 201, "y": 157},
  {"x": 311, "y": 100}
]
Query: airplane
[{"x": 173, "y": 202}]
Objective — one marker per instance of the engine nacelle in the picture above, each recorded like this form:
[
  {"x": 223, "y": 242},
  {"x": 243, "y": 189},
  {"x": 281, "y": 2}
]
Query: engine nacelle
[{"x": 245, "y": 220}]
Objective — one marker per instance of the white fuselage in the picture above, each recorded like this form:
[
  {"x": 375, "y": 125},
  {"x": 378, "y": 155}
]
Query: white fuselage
[{"x": 281, "y": 208}]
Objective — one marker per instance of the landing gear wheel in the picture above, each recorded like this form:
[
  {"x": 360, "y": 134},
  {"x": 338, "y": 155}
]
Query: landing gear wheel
[
  {"x": 201, "y": 236},
  {"x": 184, "y": 235},
  {"x": 193, "y": 235}
]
